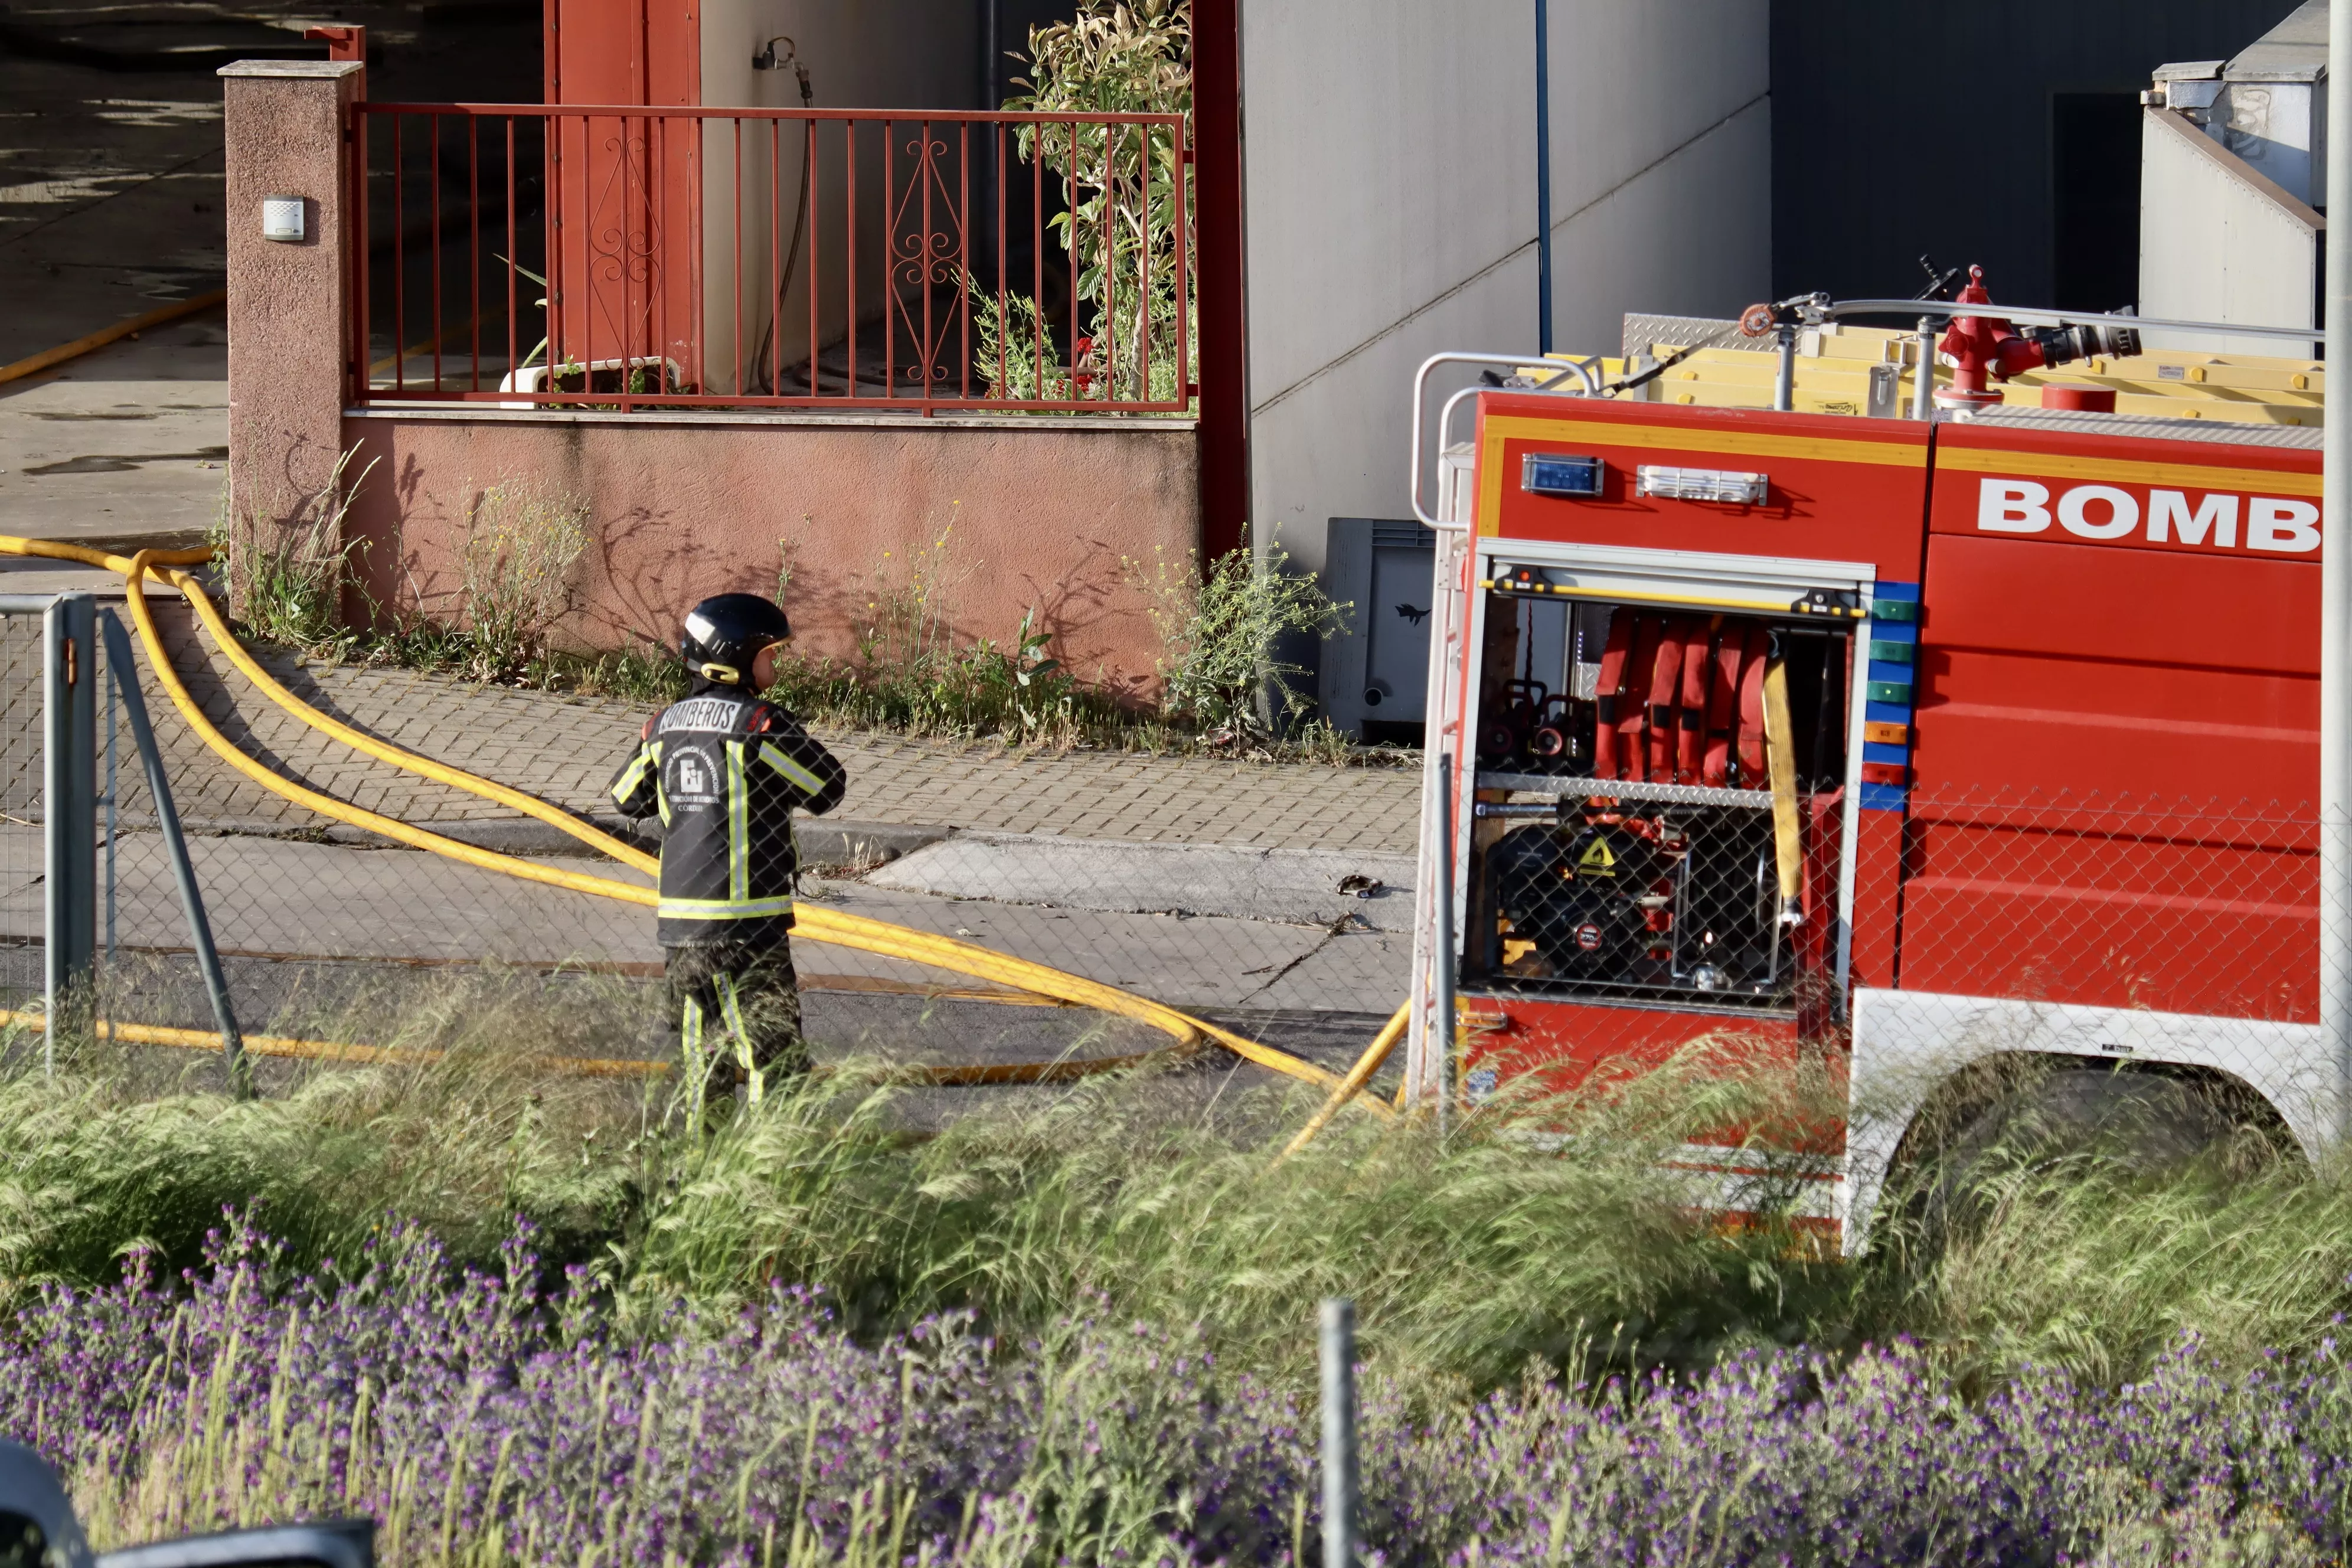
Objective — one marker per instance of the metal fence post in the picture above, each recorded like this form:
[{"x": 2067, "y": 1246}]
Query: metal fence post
[
  {"x": 113, "y": 801},
  {"x": 1339, "y": 1337},
  {"x": 2336, "y": 609},
  {"x": 68, "y": 812},
  {"x": 1442, "y": 1040},
  {"x": 167, "y": 821}
]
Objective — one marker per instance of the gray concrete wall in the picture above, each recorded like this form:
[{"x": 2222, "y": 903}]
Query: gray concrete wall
[
  {"x": 1909, "y": 127},
  {"x": 1390, "y": 162}
]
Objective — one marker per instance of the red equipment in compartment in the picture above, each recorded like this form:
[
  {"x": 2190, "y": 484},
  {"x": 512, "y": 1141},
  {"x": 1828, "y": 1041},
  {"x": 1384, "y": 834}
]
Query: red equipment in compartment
[
  {"x": 1612, "y": 684},
  {"x": 1705, "y": 700},
  {"x": 1666, "y": 687}
]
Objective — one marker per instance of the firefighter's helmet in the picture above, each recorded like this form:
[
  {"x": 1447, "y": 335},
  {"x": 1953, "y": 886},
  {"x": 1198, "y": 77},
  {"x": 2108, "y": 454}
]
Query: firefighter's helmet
[{"x": 724, "y": 635}]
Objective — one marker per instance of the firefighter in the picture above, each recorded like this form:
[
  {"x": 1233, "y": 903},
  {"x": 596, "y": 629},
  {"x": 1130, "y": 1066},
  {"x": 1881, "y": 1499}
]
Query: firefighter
[{"x": 724, "y": 770}]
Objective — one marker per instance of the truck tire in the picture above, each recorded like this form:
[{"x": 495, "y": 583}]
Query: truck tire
[{"x": 2149, "y": 1122}]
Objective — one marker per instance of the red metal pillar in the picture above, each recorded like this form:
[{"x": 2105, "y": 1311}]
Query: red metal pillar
[
  {"x": 343, "y": 43},
  {"x": 1217, "y": 192}
]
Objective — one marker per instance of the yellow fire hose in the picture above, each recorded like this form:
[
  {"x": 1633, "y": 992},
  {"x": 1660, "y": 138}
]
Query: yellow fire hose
[
  {"x": 818, "y": 924},
  {"x": 1780, "y": 767},
  {"x": 583, "y": 1066},
  {"x": 1357, "y": 1076}
]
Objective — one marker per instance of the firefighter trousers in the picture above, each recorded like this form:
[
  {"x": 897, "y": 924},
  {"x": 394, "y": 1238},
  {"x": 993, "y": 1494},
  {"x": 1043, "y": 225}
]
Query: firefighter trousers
[{"x": 738, "y": 1010}]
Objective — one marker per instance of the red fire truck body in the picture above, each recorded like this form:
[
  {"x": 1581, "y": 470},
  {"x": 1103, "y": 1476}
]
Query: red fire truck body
[{"x": 2052, "y": 694}]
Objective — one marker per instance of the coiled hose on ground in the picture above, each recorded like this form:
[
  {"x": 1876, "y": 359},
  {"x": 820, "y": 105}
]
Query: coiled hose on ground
[{"x": 816, "y": 923}]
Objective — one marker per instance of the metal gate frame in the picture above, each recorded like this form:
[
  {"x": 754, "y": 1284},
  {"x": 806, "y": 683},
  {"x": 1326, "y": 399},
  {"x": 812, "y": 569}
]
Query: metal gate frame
[{"x": 72, "y": 625}]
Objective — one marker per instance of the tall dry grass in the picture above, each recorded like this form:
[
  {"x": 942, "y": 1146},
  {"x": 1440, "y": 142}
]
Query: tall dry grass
[{"x": 1548, "y": 1230}]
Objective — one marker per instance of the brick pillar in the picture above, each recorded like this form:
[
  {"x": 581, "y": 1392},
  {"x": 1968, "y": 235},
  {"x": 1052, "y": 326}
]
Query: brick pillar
[{"x": 290, "y": 344}]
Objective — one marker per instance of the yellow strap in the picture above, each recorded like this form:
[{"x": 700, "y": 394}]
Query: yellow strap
[
  {"x": 1780, "y": 766},
  {"x": 722, "y": 909},
  {"x": 730, "y": 1007},
  {"x": 792, "y": 770},
  {"x": 626, "y": 786},
  {"x": 738, "y": 826}
]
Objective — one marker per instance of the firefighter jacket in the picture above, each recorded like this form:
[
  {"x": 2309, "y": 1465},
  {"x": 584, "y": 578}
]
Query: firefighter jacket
[{"x": 724, "y": 771}]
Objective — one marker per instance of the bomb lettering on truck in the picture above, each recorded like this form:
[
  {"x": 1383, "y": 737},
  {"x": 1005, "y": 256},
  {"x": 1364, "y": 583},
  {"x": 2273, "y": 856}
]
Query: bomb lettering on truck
[{"x": 2274, "y": 523}]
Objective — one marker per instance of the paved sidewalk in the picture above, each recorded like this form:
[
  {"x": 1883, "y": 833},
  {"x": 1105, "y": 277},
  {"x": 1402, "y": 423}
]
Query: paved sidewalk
[{"x": 564, "y": 749}]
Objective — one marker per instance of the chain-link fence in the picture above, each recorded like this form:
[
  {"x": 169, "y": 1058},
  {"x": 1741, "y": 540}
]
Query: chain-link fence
[
  {"x": 328, "y": 933},
  {"x": 24, "y": 905},
  {"x": 1631, "y": 900},
  {"x": 1668, "y": 894},
  {"x": 2156, "y": 930}
]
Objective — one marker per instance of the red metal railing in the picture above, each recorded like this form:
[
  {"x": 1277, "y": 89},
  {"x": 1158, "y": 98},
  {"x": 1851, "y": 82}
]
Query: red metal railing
[{"x": 545, "y": 256}]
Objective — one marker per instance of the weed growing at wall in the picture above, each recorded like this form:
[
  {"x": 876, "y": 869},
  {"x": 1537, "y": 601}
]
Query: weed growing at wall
[
  {"x": 516, "y": 567},
  {"x": 1222, "y": 631},
  {"x": 914, "y": 671},
  {"x": 515, "y": 573},
  {"x": 285, "y": 578}
]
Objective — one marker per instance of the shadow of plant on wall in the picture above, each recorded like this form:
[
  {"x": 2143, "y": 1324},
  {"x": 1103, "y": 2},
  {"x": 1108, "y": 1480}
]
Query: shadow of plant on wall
[
  {"x": 518, "y": 567},
  {"x": 286, "y": 575},
  {"x": 518, "y": 572},
  {"x": 912, "y": 670}
]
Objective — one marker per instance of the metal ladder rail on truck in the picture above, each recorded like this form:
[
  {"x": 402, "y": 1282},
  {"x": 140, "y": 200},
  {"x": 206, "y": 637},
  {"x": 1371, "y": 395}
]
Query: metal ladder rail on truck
[{"x": 2040, "y": 682}]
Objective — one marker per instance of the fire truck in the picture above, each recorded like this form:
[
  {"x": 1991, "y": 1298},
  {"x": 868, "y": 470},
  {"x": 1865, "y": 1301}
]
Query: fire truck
[{"x": 1914, "y": 699}]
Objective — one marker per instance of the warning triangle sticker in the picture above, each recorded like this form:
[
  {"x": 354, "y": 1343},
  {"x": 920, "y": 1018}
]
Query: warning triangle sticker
[{"x": 1597, "y": 861}]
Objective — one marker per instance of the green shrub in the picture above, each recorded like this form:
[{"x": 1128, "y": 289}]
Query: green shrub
[{"x": 1221, "y": 632}]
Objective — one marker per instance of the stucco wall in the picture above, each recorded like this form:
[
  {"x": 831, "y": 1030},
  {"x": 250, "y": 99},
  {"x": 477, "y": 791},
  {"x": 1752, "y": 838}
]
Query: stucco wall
[
  {"x": 286, "y": 301},
  {"x": 1392, "y": 209},
  {"x": 1037, "y": 514}
]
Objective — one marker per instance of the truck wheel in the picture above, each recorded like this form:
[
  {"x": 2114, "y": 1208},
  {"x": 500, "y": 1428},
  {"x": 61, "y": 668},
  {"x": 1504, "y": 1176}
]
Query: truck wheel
[{"x": 2146, "y": 1123}]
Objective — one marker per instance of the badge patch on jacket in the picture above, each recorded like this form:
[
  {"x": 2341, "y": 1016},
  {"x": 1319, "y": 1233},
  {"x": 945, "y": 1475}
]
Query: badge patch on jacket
[{"x": 690, "y": 777}]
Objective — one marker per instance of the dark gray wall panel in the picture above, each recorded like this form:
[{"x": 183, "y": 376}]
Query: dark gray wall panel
[{"x": 1902, "y": 126}]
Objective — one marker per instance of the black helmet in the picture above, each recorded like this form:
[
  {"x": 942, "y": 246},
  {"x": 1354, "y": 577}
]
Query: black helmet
[{"x": 725, "y": 633}]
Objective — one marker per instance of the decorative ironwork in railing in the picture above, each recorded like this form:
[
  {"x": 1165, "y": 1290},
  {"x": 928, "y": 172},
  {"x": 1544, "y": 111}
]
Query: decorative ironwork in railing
[{"x": 550, "y": 256}]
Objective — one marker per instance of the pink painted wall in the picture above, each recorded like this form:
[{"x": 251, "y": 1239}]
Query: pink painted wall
[{"x": 1038, "y": 512}]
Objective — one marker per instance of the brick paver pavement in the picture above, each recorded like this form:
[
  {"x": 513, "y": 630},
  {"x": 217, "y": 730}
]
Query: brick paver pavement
[{"x": 564, "y": 749}]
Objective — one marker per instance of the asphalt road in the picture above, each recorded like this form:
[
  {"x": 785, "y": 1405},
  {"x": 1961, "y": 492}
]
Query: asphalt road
[{"x": 111, "y": 198}]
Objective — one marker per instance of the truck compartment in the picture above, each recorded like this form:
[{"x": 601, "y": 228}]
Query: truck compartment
[{"x": 1624, "y": 846}]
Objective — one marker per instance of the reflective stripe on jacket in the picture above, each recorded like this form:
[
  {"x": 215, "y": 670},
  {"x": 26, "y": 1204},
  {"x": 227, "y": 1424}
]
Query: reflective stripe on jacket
[{"x": 724, "y": 772}]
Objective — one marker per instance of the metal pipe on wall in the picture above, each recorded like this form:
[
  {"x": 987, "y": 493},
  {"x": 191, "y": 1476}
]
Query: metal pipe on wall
[
  {"x": 991, "y": 49},
  {"x": 2336, "y": 600},
  {"x": 1543, "y": 175}
]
